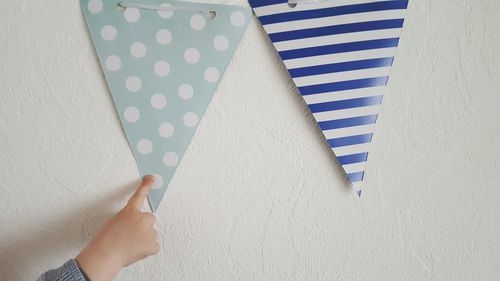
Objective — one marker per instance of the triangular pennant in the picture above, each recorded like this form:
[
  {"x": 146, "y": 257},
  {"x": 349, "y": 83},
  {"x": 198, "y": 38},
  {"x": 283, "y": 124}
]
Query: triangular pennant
[
  {"x": 339, "y": 54},
  {"x": 162, "y": 61}
]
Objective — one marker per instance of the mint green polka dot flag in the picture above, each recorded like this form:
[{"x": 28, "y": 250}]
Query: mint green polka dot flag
[{"x": 162, "y": 61}]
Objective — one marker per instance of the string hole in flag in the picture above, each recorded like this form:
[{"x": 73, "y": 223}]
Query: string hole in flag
[{"x": 212, "y": 14}]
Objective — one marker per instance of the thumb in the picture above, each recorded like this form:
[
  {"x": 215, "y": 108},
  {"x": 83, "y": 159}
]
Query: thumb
[{"x": 137, "y": 199}]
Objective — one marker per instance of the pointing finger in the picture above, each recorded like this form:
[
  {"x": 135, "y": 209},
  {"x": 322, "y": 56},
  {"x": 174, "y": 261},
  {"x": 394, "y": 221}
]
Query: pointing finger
[{"x": 141, "y": 193}]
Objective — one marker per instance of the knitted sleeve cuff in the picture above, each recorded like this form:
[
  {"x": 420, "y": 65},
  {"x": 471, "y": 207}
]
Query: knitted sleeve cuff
[{"x": 69, "y": 271}]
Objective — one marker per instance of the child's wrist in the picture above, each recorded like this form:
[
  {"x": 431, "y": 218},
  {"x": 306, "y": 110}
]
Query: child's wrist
[{"x": 99, "y": 263}]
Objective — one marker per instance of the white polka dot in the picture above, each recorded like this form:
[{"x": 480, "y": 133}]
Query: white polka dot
[
  {"x": 132, "y": 14},
  {"x": 158, "y": 101},
  {"x": 94, "y": 6},
  {"x": 197, "y": 22},
  {"x": 164, "y": 36},
  {"x": 190, "y": 119},
  {"x": 138, "y": 49},
  {"x": 113, "y": 63},
  {"x": 237, "y": 18},
  {"x": 158, "y": 181},
  {"x": 212, "y": 74},
  {"x": 162, "y": 68},
  {"x": 166, "y": 14},
  {"x": 108, "y": 33},
  {"x": 185, "y": 91},
  {"x": 166, "y": 130},
  {"x": 133, "y": 83},
  {"x": 221, "y": 43},
  {"x": 192, "y": 55},
  {"x": 145, "y": 146},
  {"x": 132, "y": 114},
  {"x": 170, "y": 159}
]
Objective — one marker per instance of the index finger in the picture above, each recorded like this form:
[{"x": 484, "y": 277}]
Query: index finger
[{"x": 141, "y": 193}]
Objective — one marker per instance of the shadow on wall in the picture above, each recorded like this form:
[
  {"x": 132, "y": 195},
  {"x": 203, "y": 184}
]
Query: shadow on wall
[{"x": 23, "y": 256}]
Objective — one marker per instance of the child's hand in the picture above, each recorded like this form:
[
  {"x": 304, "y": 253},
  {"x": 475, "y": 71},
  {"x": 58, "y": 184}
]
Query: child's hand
[{"x": 126, "y": 238}]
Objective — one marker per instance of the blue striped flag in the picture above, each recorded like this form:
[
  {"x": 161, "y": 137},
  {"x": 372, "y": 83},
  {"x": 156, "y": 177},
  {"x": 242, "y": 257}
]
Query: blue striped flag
[{"x": 339, "y": 54}]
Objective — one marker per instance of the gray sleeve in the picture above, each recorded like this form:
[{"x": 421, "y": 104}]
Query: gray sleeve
[{"x": 68, "y": 272}]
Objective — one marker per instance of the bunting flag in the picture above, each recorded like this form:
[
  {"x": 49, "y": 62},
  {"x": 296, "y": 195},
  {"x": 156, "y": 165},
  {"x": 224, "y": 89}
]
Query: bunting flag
[
  {"x": 162, "y": 61},
  {"x": 339, "y": 54}
]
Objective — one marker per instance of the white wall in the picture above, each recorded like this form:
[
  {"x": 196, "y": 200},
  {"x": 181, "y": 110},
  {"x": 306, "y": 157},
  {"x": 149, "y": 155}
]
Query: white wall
[{"x": 258, "y": 195}]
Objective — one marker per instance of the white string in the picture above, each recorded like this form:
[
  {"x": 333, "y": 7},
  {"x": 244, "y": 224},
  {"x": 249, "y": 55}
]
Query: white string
[
  {"x": 295, "y": 2},
  {"x": 126, "y": 4}
]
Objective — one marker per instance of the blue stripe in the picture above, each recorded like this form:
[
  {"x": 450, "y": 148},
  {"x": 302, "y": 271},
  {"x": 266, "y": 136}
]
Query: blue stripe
[
  {"x": 343, "y": 104},
  {"x": 353, "y": 158},
  {"x": 339, "y": 48},
  {"x": 355, "y": 177},
  {"x": 326, "y": 12},
  {"x": 338, "y": 142},
  {"x": 340, "y": 67},
  {"x": 343, "y": 85},
  {"x": 336, "y": 29},
  {"x": 348, "y": 122},
  {"x": 262, "y": 3}
]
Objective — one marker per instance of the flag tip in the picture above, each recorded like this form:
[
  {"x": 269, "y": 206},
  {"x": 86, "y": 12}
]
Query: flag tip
[{"x": 358, "y": 193}]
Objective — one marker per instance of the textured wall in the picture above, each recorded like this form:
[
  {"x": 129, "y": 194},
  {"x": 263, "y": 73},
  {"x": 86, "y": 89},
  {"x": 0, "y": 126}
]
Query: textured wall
[{"x": 258, "y": 196}]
